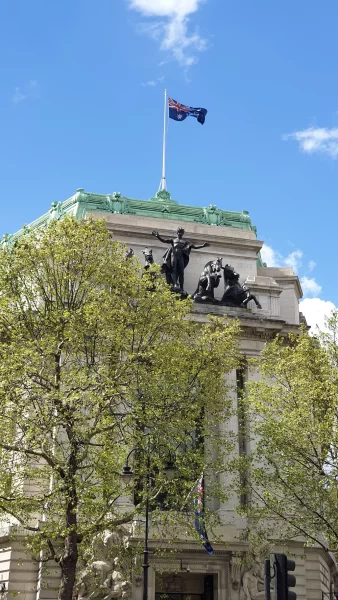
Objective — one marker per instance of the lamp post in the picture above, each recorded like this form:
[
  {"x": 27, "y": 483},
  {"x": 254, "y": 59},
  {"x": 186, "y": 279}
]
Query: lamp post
[{"x": 127, "y": 474}]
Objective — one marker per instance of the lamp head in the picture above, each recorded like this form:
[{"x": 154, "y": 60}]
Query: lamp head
[{"x": 127, "y": 474}]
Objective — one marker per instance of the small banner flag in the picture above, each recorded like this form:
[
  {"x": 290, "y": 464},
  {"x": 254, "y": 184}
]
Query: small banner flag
[
  {"x": 199, "y": 515},
  {"x": 179, "y": 112}
]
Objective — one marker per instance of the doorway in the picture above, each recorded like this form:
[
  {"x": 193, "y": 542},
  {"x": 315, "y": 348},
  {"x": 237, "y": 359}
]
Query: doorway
[{"x": 185, "y": 586}]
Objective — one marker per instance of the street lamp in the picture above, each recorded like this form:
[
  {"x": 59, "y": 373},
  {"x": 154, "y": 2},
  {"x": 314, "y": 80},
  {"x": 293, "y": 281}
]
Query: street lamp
[{"x": 127, "y": 475}]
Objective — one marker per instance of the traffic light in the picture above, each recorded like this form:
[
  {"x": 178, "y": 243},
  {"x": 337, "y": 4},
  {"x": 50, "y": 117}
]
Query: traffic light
[{"x": 284, "y": 580}]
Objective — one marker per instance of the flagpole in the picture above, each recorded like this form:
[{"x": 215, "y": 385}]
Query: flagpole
[{"x": 163, "y": 184}]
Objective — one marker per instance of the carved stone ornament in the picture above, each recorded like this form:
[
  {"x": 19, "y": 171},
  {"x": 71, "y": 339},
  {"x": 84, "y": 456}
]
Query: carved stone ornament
[
  {"x": 105, "y": 575},
  {"x": 253, "y": 583},
  {"x": 163, "y": 195},
  {"x": 247, "y": 577},
  {"x": 56, "y": 210},
  {"x": 237, "y": 570},
  {"x": 212, "y": 215},
  {"x": 7, "y": 240}
]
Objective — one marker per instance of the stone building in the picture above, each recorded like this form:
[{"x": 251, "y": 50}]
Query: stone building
[{"x": 192, "y": 574}]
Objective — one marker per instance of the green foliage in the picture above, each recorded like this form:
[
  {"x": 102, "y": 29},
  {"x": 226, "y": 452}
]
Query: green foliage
[
  {"x": 292, "y": 473},
  {"x": 96, "y": 360}
]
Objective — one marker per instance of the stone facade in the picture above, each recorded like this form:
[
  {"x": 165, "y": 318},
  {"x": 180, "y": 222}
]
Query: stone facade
[
  {"x": 278, "y": 291},
  {"x": 191, "y": 573}
]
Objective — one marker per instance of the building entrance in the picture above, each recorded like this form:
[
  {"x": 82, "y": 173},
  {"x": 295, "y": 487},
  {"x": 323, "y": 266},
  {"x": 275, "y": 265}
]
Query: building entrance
[{"x": 186, "y": 586}]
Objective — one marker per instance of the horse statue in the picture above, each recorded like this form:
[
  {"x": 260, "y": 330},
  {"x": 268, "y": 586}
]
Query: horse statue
[
  {"x": 236, "y": 294},
  {"x": 208, "y": 281}
]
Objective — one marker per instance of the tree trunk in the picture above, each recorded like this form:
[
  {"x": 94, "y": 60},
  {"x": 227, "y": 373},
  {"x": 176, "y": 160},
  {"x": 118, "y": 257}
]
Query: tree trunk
[
  {"x": 70, "y": 556},
  {"x": 68, "y": 568}
]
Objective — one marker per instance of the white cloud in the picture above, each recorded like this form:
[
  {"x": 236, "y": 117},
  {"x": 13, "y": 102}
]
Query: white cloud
[
  {"x": 310, "y": 287},
  {"x": 173, "y": 29},
  {"x": 294, "y": 260},
  {"x": 18, "y": 96},
  {"x": 315, "y": 311},
  {"x": 270, "y": 256},
  {"x": 316, "y": 139},
  {"x": 311, "y": 265},
  {"x": 30, "y": 90},
  {"x": 151, "y": 83},
  {"x": 274, "y": 259}
]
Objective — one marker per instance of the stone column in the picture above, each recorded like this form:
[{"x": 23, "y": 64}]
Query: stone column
[{"x": 226, "y": 509}]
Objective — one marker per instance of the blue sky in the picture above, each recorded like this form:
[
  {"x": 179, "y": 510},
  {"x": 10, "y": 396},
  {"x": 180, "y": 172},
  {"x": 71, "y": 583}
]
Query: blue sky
[{"x": 81, "y": 100}]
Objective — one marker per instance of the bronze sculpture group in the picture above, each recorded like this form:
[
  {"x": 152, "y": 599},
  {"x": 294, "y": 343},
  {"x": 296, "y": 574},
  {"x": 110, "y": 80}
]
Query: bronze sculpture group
[
  {"x": 235, "y": 294},
  {"x": 176, "y": 259}
]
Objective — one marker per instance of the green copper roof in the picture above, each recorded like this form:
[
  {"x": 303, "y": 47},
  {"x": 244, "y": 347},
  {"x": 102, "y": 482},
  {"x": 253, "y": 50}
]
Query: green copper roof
[{"x": 161, "y": 206}]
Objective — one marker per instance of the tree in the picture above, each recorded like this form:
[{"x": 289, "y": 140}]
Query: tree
[
  {"x": 292, "y": 473},
  {"x": 98, "y": 359}
]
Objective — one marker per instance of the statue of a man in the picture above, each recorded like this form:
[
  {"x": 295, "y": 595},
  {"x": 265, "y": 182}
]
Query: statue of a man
[{"x": 176, "y": 257}]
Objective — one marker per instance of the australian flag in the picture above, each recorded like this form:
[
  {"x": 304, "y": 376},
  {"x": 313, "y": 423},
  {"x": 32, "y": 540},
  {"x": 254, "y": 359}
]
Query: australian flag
[
  {"x": 179, "y": 112},
  {"x": 199, "y": 515}
]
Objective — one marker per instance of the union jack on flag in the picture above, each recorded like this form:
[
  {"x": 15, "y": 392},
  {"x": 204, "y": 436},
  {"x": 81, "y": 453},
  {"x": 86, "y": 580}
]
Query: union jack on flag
[
  {"x": 199, "y": 515},
  {"x": 179, "y": 112}
]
